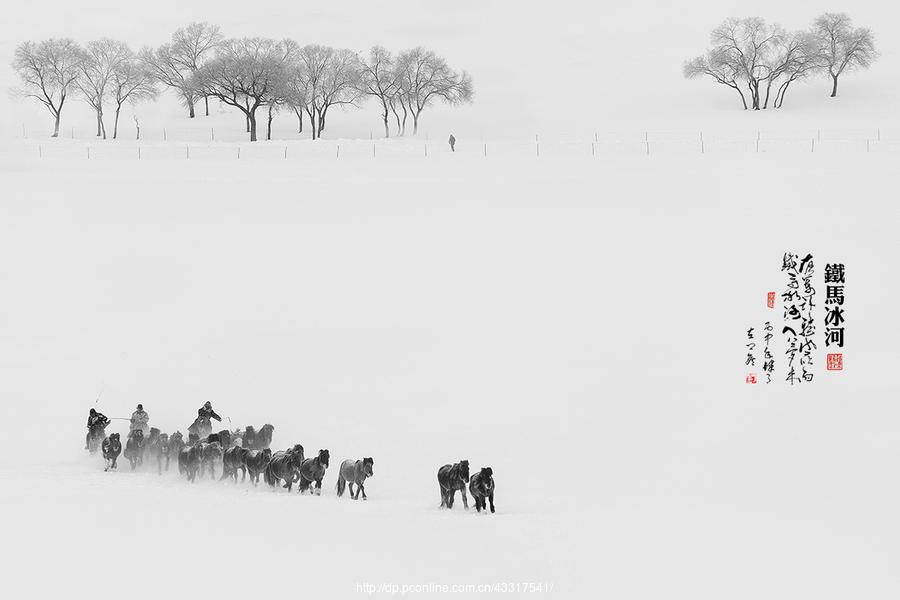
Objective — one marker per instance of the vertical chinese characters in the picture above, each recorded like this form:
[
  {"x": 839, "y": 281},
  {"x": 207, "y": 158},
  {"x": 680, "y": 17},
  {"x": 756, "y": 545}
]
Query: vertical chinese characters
[{"x": 799, "y": 325}]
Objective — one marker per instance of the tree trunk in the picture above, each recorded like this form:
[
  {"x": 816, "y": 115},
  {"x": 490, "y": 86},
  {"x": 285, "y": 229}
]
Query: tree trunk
[
  {"x": 311, "y": 112},
  {"x": 396, "y": 117},
  {"x": 321, "y": 123},
  {"x": 405, "y": 114},
  {"x": 768, "y": 89},
  {"x": 251, "y": 119},
  {"x": 190, "y": 104},
  {"x": 416, "y": 122},
  {"x": 387, "y": 132},
  {"x": 102, "y": 126},
  {"x": 299, "y": 114},
  {"x": 779, "y": 97},
  {"x": 56, "y": 126},
  {"x": 98, "y": 122},
  {"x": 247, "y": 119},
  {"x": 116, "y": 122},
  {"x": 834, "y": 87},
  {"x": 206, "y": 101},
  {"x": 743, "y": 99},
  {"x": 269, "y": 124}
]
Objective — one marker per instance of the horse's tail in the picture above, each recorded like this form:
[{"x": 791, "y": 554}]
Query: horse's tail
[{"x": 341, "y": 483}]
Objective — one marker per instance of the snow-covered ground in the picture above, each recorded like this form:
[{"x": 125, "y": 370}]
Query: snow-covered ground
[{"x": 575, "y": 323}]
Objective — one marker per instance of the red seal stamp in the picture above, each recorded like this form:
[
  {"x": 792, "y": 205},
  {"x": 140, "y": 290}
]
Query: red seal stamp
[
  {"x": 834, "y": 362},
  {"x": 770, "y": 299},
  {"x": 751, "y": 378}
]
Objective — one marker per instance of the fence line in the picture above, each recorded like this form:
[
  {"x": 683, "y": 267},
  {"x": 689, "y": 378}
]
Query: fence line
[{"x": 646, "y": 143}]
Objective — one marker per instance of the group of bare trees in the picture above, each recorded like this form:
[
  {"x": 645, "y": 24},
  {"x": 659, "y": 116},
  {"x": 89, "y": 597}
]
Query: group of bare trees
[
  {"x": 764, "y": 60},
  {"x": 248, "y": 74}
]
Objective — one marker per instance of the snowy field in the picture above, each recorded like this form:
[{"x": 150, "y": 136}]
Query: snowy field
[{"x": 576, "y": 323}]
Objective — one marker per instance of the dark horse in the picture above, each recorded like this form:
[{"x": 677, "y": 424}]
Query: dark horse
[
  {"x": 134, "y": 448},
  {"x": 112, "y": 448},
  {"x": 223, "y": 437},
  {"x": 189, "y": 458},
  {"x": 354, "y": 471},
  {"x": 312, "y": 470},
  {"x": 285, "y": 464},
  {"x": 153, "y": 448},
  {"x": 232, "y": 462},
  {"x": 176, "y": 443},
  {"x": 256, "y": 462},
  {"x": 482, "y": 487},
  {"x": 452, "y": 478},
  {"x": 257, "y": 439},
  {"x": 210, "y": 454}
]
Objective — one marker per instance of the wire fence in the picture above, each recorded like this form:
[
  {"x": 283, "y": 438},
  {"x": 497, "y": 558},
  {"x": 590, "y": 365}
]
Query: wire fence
[{"x": 610, "y": 144}]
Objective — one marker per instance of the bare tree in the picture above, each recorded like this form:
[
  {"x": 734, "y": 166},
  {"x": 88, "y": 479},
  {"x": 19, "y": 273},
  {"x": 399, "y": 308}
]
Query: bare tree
[
  {"x": 717, "y": 65},
  {"x": 843, "y": 47},
  {"x": 246, "y": 73},
  {"x": 332, "y": 78},
  {"x": 749, "y": 44},
  {"x": 131, "y": 82},
  {"x": 380, "y": 79},
  {"x": 294, "y": 92},
  {"x": 100, "y": 60},
  {"x": 195, "y": 44},
  {"x": 48, "y": 70},
  {"x": 426, "y": 77},
  {"x": 168, "y": 70}
]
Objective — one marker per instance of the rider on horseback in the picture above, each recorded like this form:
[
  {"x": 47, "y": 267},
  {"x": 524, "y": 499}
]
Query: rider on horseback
[
  {"x": 96, "y": 423},
  {"x": 140, "y": 420},
  {"x": 207, "y": 412},
  {"x": 202, "y": 427}
]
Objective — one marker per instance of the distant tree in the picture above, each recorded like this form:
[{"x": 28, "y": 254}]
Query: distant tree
[
  {"x": 100, "y": 60},
  {"x": 750, "y": 44},
  {"x": 177, "y": 63},
  {"x": 746, "y": 52},
  {"x": 380, "y": 79},
  {"x": 843, "y": 47},
  {"x": 295, "y": 82},
  {"x": 168, "y": 71},
  {"x": 48, "y": 70},
  {"x": 426, "y": 78},
  {"x": 332, "y": 78},
  {"x": 131, "y": 82},
  {"x": 195, "y": 44},
  {"x": 245, "y": 73}
]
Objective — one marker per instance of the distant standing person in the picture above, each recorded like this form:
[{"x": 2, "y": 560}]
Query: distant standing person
[{"x": 452, "y": 142}]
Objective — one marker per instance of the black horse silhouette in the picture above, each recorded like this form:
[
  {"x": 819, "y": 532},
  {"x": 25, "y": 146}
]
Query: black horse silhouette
[{"x": 452, "y": 478}]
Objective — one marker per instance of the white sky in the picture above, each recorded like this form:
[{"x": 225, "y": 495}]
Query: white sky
[{"x": 560, "y": 67}]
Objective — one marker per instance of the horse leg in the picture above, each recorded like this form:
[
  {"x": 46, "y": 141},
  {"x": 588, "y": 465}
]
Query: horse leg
[
  {"x": 362, "y": 489},
  {"x": 243, "y": 475},
  {"x": 451, "y": 496},
  {"x": 491, "y": 498},
  {"x": 318, "y": 487},
  {"x": 465, "y": 499},
  {"x": 350, "y": 487}
]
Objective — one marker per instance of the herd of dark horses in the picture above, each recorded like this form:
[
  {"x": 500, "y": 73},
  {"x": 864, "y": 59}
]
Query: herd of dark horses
[{"x": 248, "y": 452}]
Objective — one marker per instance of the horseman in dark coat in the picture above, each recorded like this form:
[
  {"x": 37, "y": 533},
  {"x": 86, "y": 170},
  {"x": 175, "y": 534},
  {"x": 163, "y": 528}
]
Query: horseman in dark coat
[
  {"x": 96, "y": 423},
  {"x": 206, "y": 411}
]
